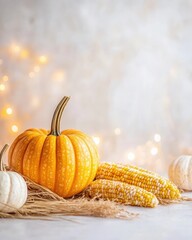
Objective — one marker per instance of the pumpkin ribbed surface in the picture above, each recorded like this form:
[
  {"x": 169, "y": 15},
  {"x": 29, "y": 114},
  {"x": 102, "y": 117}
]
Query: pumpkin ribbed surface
[
  {"x": 65, "y": 162},
  {"x": 180, "y": 172},
  {"x": 13, "y": 188}
]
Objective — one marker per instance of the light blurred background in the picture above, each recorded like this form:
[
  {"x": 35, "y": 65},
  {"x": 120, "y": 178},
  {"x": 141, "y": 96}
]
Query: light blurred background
[{"x": 126, "y": 65}]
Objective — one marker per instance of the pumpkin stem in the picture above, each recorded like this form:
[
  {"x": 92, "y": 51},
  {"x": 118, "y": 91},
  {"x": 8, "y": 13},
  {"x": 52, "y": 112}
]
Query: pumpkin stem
[
  {"x": 58, "y": 122},
  {"x": 1, "y": 157},
  {"x": 55, "y": 124}
]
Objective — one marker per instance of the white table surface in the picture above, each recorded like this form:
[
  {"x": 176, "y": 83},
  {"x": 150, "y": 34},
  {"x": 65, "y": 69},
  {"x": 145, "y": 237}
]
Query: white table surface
[{"x": 173, "y": 222}]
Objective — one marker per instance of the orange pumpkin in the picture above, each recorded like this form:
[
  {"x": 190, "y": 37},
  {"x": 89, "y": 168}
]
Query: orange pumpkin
[{"x": 65, "y": 162}]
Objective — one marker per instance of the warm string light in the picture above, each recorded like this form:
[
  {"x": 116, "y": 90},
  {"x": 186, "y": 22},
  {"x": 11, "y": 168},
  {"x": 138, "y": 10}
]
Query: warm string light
[
  {"x": 19, "y": 51},
  {"x": 5, "y": 78},
  {"x": 146, "y": 155},
  {"x": 24, "y": 53},
  {"x": 43, "y": 59},
  {"x": 2, "y": 87},
  {"x": 96, "y": 140},
  {"x": 117, "y": 131},
  {"x": 15, "y": 49},
  {"x": 36, "y": 69},
  {"x": 148, "y": 152},
  {"x": 131, "y": 156},
  {"x": 9, "y": 110},
  {"x": 154, "y": 151},
  {"x": 14, "y": 128},
  {"x": 157, "y": 137}
]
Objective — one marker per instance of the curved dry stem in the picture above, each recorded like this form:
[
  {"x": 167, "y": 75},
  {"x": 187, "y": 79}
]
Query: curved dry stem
[
  {"x": 58, "y": 121},
  {"x": 1, "y": 156},
  {"x": 55, "y": 129}
]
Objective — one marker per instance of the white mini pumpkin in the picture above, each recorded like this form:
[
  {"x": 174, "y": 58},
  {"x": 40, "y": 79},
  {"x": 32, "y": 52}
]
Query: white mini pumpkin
[
  {"x": 180, "y": 172},
  {"x": 13, "y": 188}
]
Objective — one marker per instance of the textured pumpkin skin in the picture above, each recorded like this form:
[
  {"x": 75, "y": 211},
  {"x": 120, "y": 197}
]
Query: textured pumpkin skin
[
  {"x": 13, "y": 191},
  {"x": 66, "y": 164},
  {"x": 180, "y": 172}
]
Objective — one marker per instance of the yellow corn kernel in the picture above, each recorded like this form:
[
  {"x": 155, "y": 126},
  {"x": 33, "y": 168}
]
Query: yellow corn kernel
[
  {"x": 152, "y": 182},
  {"x": 121, "y": 192}
]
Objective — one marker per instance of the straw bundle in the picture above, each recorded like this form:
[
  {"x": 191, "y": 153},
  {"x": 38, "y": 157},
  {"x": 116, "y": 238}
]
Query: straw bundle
[{"x": 44, "y": 204}]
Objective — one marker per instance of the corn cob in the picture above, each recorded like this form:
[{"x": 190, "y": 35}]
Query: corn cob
[
  {"x": 159, "y": 186},
  {"x": 121, "y": 192},
  {"x": 140, "y": 169}
]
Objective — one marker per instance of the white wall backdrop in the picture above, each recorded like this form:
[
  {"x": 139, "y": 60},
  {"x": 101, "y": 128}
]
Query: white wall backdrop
[{"x": 126, "y": 64}]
